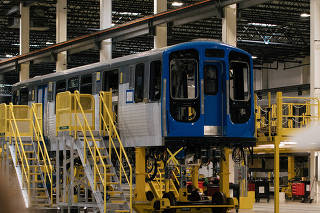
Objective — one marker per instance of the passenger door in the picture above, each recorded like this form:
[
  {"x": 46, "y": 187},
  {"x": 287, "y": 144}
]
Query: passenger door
[{"x": 213, "y": 102}]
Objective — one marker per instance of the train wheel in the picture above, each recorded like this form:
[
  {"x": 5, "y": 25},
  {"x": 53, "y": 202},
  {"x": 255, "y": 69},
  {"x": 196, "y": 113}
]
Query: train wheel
[
  {"x": 219, "y": 198},
  {"x": 172, "y": 200}
]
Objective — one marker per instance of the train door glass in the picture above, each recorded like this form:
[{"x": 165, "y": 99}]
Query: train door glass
[
  {"x": 42, "y": 98},
  {"x": 212, "y": 97}
]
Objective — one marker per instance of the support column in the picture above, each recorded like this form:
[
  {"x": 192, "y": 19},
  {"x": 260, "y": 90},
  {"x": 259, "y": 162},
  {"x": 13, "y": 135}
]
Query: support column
[
  {"x": 312, "y": 173},
  {"x": 229, "y": 25},
  {"x": 61, "y": 33},
  {"x": 161, "y": 37},
  {"x": 229, "y": 36},
  {"x": 224, "y": 173},
  {"x": 277, "y": 140},
  {"x": 195, "y": 176},
  {"x": 24, "y": 40},
  {"x": 291, "y": 173},
  {"x": 140, "y": 194},
  {"x": 314, "y": 78},
  {"x": 106, "y": 22},
  {"x": 276, "y": 173}
]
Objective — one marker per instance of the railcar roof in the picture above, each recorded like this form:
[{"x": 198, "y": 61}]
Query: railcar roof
[{"x": 101, "y": 65}]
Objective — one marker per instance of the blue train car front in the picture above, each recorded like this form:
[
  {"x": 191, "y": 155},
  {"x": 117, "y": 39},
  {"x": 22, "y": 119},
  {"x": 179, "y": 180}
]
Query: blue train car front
[{"x": 207, "y": 94}]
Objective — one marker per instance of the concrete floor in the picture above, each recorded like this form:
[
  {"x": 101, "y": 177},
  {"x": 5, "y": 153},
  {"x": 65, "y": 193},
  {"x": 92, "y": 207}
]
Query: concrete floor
[{"x": 287, "y": 207}]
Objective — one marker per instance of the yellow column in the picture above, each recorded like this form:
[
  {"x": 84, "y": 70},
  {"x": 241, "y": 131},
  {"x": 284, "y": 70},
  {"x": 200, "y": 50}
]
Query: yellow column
[
  {"x": 277, "y": 140},
  {"x": 195, "y": 176},
  {"x": 224, "y": 173},
  {"x": 276, "y": 173},
  {"x": 140, "y": 174},
  {"x": 291, "y": 173}
]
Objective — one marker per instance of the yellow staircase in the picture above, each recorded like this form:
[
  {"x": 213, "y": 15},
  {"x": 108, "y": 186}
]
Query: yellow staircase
[
  {"x": 21, "y": 128},
  {"x": 98, "y": 150}
]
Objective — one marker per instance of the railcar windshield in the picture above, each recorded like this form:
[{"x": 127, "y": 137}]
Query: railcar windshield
[
  {"x": 239, "y": 87},
  {"x": 184, "y": 85},
  {"x": 183, "y": 78},
  {"x": 239, "y": 81}
]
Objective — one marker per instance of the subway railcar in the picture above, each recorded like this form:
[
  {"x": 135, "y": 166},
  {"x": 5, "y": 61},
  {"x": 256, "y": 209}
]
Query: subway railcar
[{"x": 199, "y": 92}]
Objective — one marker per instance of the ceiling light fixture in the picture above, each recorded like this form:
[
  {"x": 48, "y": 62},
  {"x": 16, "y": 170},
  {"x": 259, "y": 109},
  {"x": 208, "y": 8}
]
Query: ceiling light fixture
[
  {"x": 254, "y": 57},
  {"x": 262, "y": 24},
  {"x": 304, "y": 15},
  {"x": 177, "y": 4},
  {"x": 9, "y": 56},
  {"x": 49, "y": 43}
]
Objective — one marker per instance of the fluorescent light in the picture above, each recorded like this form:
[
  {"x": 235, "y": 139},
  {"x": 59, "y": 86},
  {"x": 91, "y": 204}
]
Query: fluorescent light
[
  {"x": 289, "y": 142},
  {"x": 49, "y": 43},
  {"x": 262, "y": 24},
  {"x": 127, "y": 13},
  {"x": 254, "y": 57},
  {"x": 9, "y": 56},
  {"x": 304, "y": 15},
  {"x": 177, "y": 4}
]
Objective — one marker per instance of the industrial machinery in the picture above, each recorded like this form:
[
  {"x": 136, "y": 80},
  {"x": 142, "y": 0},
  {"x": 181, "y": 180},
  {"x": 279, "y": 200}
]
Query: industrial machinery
[{"x": 192, "y": 99}]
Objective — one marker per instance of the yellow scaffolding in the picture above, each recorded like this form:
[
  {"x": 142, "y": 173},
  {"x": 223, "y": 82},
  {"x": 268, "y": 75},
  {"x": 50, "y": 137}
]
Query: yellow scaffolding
[{"x": 278, "y": 122}]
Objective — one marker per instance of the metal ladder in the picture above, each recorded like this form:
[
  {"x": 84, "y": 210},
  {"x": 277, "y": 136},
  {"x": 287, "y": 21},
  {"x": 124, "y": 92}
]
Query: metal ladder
[
  {"x": 25, "y": 142},
  {"x": 116, "y": 199},
  {"x": 38, "y": 195}
]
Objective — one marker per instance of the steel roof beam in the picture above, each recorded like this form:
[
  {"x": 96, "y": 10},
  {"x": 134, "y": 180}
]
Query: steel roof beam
[
  {"x": 200, "y": 10},
  {"x": 251, "y": 3}
]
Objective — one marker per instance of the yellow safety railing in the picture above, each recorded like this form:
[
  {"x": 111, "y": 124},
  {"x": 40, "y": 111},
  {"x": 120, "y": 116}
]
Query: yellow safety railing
[
  {"x": 115, "y": 143},
  {"x": 42, "y": 152},
  {"x": 3, "y": 119},
  {"x": 286, "y": 115},
  {"x": 14, "y": 132},
  {"x": 82, "y": 124},
  {"x": 66, "y": 111}
]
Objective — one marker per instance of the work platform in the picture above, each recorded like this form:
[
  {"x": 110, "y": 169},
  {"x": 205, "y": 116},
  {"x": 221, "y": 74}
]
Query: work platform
[
  {"x": 278, "y": 121},
  {"x": 89, "y": 168}
]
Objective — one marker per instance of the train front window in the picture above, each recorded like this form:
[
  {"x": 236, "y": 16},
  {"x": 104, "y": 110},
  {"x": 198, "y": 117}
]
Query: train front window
[
  {"x": 239, "y": 87},
  {"x": 184, "y": 85},
  {"x": 183, "y": 78},
  {"x": 239, "y": 82}
]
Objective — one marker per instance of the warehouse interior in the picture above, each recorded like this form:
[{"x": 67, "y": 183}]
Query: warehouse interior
[{"x": 78, "y": 132}]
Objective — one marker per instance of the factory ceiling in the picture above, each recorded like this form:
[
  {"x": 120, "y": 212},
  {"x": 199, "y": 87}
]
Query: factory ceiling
[{"x": 270, "y": 31}]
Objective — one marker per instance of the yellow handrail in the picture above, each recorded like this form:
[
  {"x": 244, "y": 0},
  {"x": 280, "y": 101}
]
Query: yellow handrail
[
  {"x": 285, "y": 115},
  {"x": 42, "y": 152},
  {"x": 113, "y": 133},
  {"x": 19, "y": 148},
  {"x": 93, "y": 152}
]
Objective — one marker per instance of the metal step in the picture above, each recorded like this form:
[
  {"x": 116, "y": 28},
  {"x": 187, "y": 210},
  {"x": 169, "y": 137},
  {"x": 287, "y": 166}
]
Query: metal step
[
  {"x": 86, "y": 165},
  {"x": 117, "y": 201}
]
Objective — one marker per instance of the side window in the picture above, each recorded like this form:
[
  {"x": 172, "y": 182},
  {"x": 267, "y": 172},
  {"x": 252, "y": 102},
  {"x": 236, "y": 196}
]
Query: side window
[
  {"x": 86, "y": 84},
  {"x": 15, "y": 97},
  {"x": 61, "y": 86},
  {"x": 73, "y": 84},
  {"x": 111, "y": 81},
  {"x": 210, "y": 79},
  {"x": 24, "y": 94},
  {"x": 139, "y": 83},
  {"x": 155, "y": 81}
]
